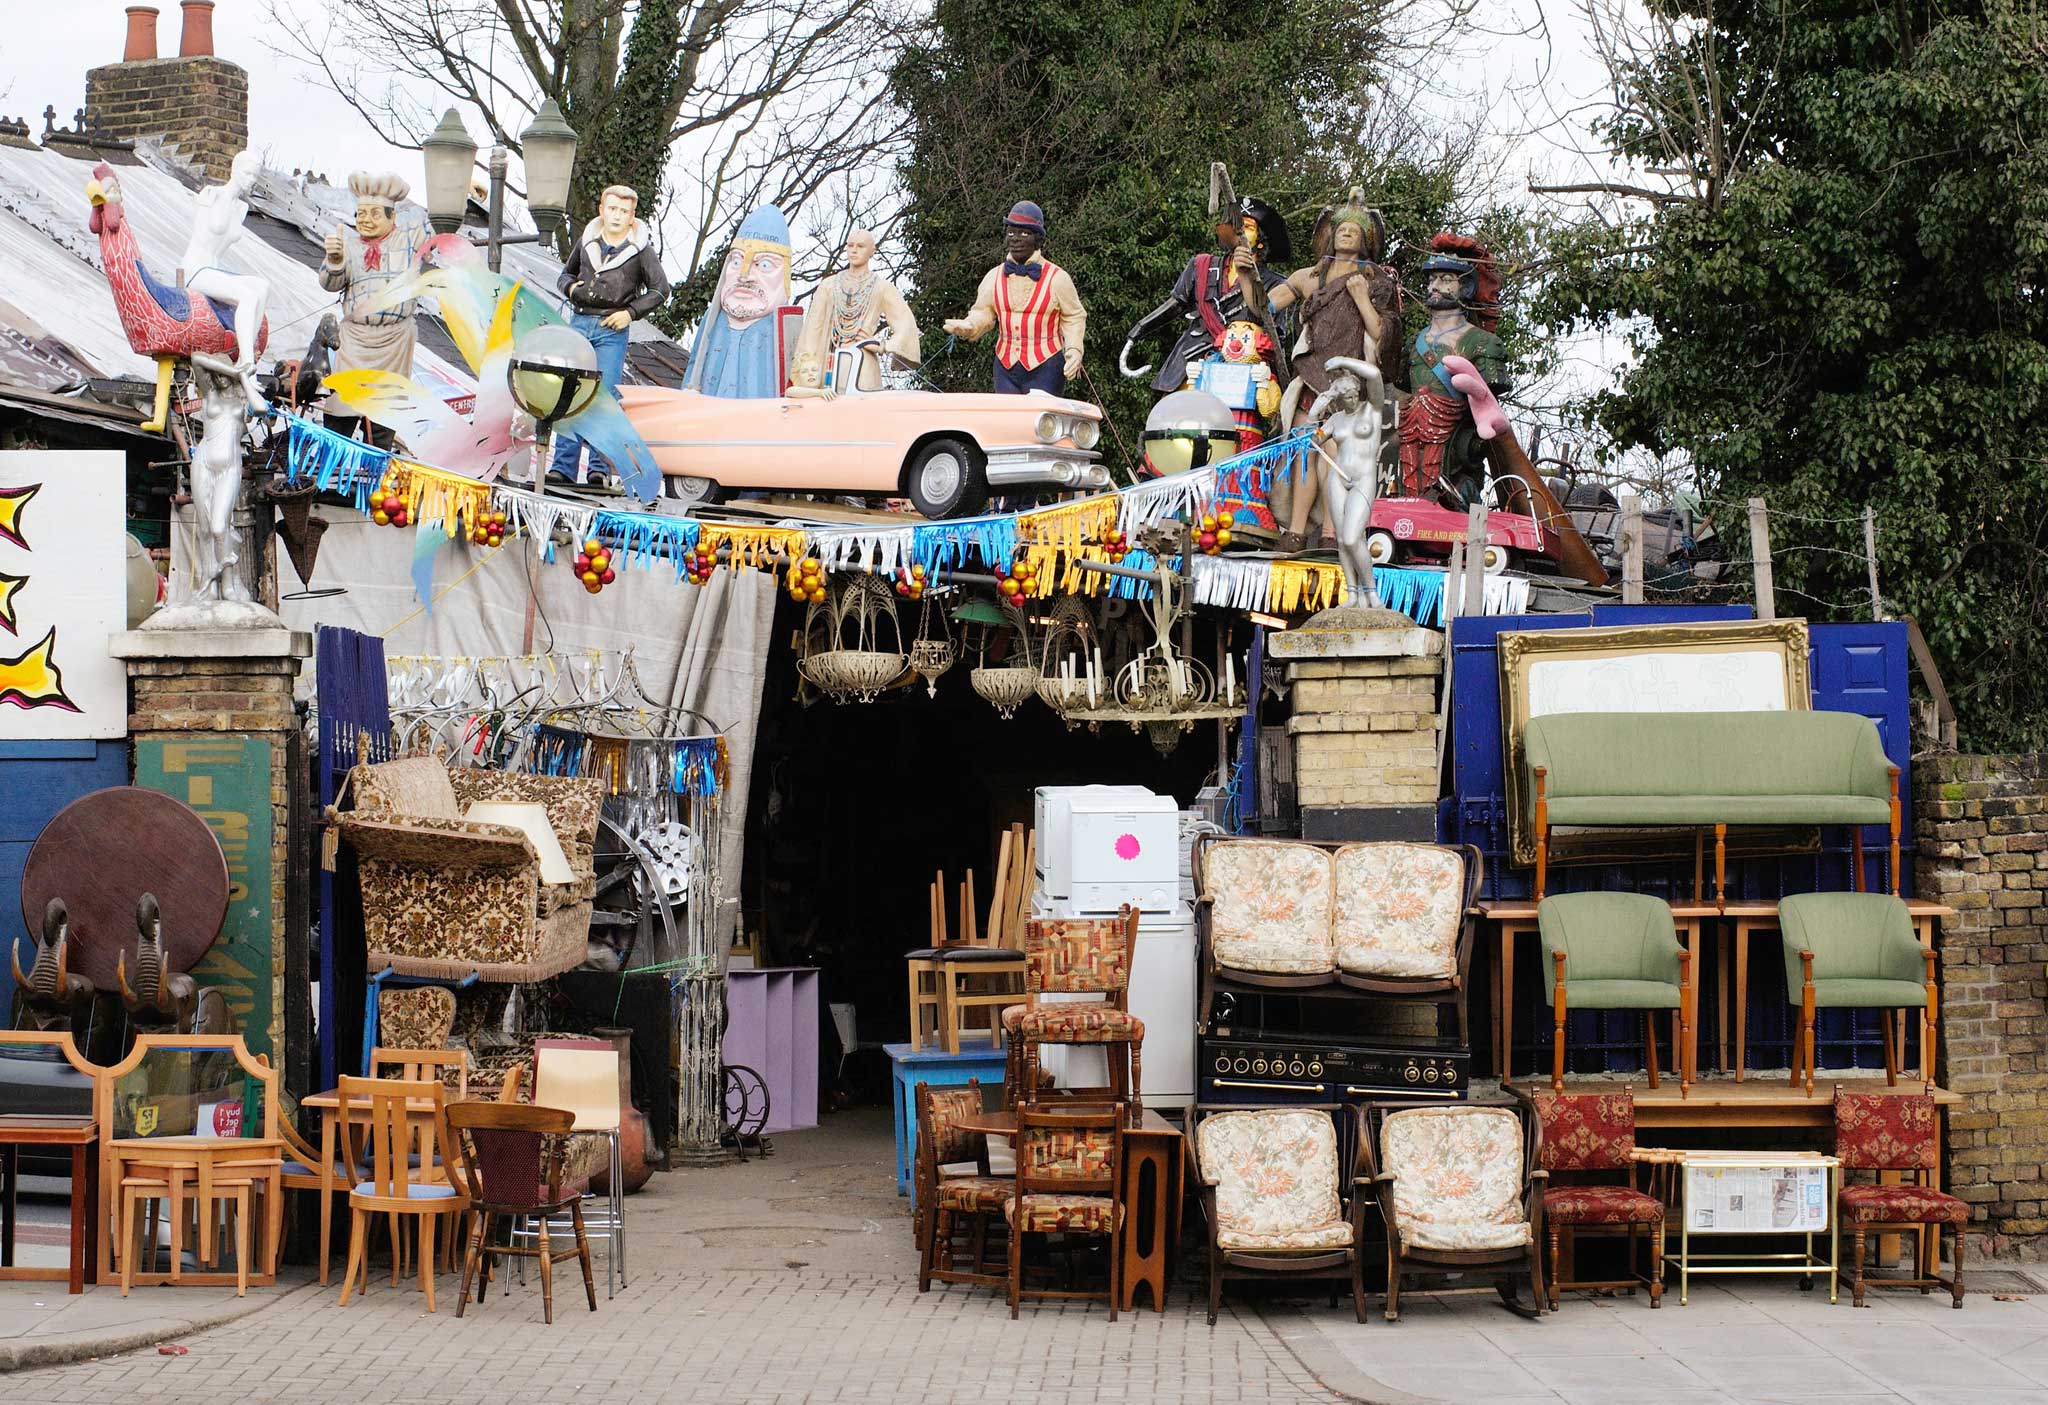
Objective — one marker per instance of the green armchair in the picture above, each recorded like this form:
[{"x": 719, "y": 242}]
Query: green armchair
[
  {"x": 1856, "y": 951},
  {"x": 1618, "y": 951}
]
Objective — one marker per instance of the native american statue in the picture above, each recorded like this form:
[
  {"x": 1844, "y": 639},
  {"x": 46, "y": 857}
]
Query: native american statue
[
  {"x": 165, "y": 1000},
  {"x": 1347, "y": 416},
  {"x": 49, "y": 997}
]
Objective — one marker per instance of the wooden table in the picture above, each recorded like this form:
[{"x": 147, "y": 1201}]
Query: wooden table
[
  {"x": 328, "y": 1105},
  {"x": 1149, "y": 1187},
  {"x": 208, "y": 1159},
  {"x": 79, "y": 1134},
  {"x": 1518, "y": 918}
]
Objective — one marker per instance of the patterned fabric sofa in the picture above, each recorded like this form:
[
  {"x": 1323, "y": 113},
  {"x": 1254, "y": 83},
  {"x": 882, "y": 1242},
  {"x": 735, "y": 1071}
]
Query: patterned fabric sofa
[
  {"x": 444, "y": 896},
  {"x": 1390, "y": 918}
]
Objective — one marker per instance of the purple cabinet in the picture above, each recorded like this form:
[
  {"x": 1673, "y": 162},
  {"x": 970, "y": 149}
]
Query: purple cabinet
[{"x": 772, "y": 1028}]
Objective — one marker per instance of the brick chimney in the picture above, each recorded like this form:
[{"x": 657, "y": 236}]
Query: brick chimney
[{"x": 196, "y": 103}]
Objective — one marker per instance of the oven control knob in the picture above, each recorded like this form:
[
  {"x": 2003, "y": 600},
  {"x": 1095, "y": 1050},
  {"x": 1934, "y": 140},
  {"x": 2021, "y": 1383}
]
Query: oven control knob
[
  {"x": 1409, "y": 1073},
  {"x": 1223, "y": 1063},
  {"x": 1450, "y": 1073},
  {"x": 1243, "y": 1064},
  {"x": 1294, "y": 1069},
  {"x": 1258, "y": 1065},
  {"x": 1429, "y": 1075},
  {"x": 1315, "y": 1068}
]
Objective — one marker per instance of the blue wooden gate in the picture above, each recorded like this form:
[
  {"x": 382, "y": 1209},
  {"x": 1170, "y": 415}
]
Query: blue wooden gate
[{"x": 37, "y": 779}]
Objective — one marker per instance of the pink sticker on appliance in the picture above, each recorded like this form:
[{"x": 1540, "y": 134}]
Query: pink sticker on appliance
[{"x": 1127, "y": 846}]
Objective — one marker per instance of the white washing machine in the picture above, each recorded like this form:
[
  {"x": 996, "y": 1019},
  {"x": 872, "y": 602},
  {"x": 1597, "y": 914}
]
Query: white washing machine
[{"x": 1162, "y": 994}]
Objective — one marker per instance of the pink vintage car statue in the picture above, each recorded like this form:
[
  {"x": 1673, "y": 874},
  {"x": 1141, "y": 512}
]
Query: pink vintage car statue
[{"x": 944, "y": 452}]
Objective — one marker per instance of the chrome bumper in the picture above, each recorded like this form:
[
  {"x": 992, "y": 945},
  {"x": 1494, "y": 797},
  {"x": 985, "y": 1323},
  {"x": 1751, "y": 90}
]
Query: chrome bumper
[{"x": 1044, "y": 463}]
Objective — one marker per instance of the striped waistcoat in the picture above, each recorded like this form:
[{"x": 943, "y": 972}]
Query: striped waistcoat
[{"x": 1028, "y": 336}]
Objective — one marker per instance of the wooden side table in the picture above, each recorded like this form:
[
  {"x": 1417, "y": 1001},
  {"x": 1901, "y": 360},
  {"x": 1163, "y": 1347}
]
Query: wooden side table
[{"x": 80, "y": 1134}]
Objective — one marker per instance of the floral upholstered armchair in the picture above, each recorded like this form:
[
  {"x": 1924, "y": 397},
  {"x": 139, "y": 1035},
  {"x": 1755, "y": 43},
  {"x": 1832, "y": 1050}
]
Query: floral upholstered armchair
[
  {"x": 445, "y": 896},
  {"x": 1879, "y": 1132},
  {"x": 1459, "y": 1188},
  {"x": 1588, "y": 1135},
  {"x": 1390, "y": 918},
  {"x": 1275, "y": 1197}
]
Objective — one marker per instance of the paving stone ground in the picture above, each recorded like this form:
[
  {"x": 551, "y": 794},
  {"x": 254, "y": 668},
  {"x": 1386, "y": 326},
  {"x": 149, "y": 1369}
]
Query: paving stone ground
[
  {"x": 784, "y": 1280},
  {"x": 792, "y": 1279}
]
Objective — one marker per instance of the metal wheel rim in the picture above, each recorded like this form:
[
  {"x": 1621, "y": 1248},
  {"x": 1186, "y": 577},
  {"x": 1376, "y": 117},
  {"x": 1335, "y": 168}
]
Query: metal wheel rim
[
  {"x": 689, "y": 490},
  {"x": 1379, "y": 548},
  {"x": 941, "y": 475}
]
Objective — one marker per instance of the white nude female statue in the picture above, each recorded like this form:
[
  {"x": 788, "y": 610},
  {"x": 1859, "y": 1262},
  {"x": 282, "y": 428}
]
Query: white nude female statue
[
  {"x": 215, "y": 228},
  {"x": 1349, "y": 431}
]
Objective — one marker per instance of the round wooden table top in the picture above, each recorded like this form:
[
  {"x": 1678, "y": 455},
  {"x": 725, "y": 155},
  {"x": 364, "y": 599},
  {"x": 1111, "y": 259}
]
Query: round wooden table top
[{"x": 102, "y": 852}]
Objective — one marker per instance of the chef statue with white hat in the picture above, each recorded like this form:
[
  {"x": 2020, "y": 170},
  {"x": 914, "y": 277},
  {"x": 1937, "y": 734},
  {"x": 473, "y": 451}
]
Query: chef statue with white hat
[{"x": 361, "y": 262}]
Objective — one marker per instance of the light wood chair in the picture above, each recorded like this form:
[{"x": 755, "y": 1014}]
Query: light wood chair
[
  {"x": 423, "y": 1065},
  {"x": 985, "y": 971},
  {"x": 392, "y": 1187}
]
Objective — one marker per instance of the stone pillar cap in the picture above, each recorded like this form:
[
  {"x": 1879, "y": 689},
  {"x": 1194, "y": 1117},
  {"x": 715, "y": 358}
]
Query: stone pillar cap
[
  {"x": 211, "y": 644},
  {"x": 1351, "y": 632}
]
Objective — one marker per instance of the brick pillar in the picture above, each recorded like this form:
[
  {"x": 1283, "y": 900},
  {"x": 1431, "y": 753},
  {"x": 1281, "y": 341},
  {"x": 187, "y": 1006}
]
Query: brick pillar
[
  {"x": 1364, "y": 688},
  {"x": 211, "y": 721},
  {"x": 1981, "y": 827}
]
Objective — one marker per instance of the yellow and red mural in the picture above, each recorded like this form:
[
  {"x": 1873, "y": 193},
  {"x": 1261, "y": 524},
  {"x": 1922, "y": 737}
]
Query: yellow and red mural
[{"x": 61, "y": 595}]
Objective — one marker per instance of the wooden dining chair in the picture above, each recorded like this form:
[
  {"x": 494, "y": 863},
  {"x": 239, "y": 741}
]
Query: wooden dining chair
[
  {"x": 421, "y": 1065},
  {"x": 985, "y": 969},
  {"x": 511, "y": 1169},
  {"x": 302, "y": 1173},
  {"x": 391, "y": 1186}
]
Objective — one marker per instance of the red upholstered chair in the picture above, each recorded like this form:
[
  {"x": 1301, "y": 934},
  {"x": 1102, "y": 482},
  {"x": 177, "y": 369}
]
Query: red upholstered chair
[
  {"x": 1896, "y": 1132},
  {"x": 1079, "y": 956},
  {"x": 1592, "y": 1133}
]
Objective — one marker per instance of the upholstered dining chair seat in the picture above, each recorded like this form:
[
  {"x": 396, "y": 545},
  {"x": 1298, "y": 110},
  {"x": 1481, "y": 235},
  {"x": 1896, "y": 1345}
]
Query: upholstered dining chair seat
[
  {"x": 972, "y": 955},
  {"x": 975, "y": 1194},
  {"x": 1901, "y": 1204},
  {"x": 1600, "y": 1204},
  {"x": 414, "y": 1190},
  {"x": 1074, "y": 1023},
  {"x": 1042, "y": 1213}
]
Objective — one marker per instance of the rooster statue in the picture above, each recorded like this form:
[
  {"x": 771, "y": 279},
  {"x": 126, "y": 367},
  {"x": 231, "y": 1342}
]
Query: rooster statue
[
  {"x": 162, "y": 320},
  {"x": 486, "y": 314}
]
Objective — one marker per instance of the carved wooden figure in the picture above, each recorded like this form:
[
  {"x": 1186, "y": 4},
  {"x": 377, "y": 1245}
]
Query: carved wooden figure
[
  {"x": 160, "y": 998},
  {"x": 50, "y": 996}
]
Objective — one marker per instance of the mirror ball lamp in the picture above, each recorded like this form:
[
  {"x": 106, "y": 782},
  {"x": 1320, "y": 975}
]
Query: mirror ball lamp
[{"x": 1186, "y": 430}]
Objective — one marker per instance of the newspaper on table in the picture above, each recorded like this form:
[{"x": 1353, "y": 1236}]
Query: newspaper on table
[{"x": 1749, "y": 1197}]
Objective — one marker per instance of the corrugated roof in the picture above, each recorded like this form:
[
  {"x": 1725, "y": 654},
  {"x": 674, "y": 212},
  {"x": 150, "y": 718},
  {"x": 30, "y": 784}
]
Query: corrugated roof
[{"x": 57, "y": 318}]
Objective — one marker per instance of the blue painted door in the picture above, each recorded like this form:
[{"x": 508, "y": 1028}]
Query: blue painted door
[{"x": 37, "y": 779}]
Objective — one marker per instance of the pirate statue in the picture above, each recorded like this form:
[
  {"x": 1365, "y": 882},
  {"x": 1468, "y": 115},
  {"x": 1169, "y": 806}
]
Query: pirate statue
[
  {"x": 1031, "y": 304},
  {"x": 360, "y": 262},
  {"x": 1215, "y": 321},
  {"x": 1440, "y": 446},
  {"x": 1350, "y": 307}
]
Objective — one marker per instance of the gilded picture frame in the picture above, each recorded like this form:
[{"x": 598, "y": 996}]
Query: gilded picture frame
[{"x": 1720, "y": 666}]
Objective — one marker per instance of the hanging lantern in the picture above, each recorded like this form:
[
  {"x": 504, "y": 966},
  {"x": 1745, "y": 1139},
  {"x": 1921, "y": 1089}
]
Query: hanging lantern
[{"x": 933, "y": 651}]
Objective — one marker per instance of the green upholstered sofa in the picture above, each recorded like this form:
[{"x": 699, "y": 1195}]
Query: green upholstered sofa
[{"x": 1641, "y": 769}]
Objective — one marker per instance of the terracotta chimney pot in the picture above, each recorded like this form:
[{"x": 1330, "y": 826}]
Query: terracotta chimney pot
[
  {"x": 197, "y": 39},
  {"x": 141, "y": 34}
]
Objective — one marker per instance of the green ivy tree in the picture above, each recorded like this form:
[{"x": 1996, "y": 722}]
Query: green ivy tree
[{"x": 1839, "y": 299}]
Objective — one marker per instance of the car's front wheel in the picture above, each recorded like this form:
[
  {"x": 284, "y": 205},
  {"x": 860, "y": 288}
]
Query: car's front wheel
[
  {"x": 687, "y": 493},
  {"x": 945, "y": 479}
]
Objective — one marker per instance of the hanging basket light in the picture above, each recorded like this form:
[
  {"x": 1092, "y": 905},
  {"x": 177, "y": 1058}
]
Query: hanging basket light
[
  {"x": 847, "y": 649},
  {"x": 933, "y": 651},
  {"x": 1006, "y": 688},
  {"x": 1063, "y": 656}
]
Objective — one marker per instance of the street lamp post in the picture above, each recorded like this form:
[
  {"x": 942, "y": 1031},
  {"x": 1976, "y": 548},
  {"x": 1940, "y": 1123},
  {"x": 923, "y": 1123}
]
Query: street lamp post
[{"x": 549, "y": 147}]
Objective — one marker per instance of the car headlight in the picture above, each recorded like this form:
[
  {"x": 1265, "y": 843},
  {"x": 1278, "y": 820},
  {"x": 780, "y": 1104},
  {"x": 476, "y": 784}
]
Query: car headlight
[
  {"x": 1087, "y": 433},
  {"x": 1049, "y": 427}
]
